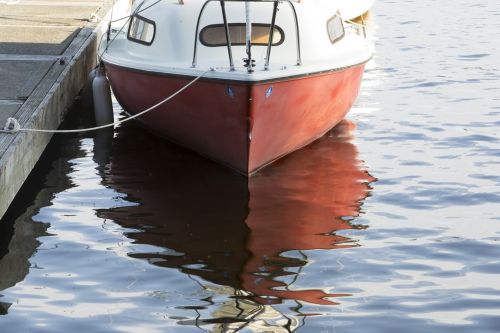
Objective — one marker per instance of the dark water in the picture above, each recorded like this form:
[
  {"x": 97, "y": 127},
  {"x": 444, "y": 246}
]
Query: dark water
[{"x": 391, "y": 222}]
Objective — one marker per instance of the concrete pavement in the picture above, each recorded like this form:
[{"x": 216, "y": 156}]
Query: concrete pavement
[{"x": 47, "y": 48}]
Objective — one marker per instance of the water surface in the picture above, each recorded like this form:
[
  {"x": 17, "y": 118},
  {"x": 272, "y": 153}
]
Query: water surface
[{"x": 388, "y": 223}]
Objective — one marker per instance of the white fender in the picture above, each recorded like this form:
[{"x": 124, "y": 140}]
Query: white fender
[{"x": 103, "y": 107}]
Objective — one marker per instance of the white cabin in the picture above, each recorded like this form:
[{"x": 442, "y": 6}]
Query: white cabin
[{"x": 189, "y": 37}]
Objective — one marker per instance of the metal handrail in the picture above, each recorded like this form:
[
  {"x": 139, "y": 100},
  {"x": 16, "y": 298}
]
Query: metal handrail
[
  {"x": 228, "y": 39},
  {"x": 271, "y": 35},
  {"x": 358, "y": 26},
  {"x": 197, "y": 29},
  {"x": 299, "y": 57},
  {"x": 228, "y": 36}
]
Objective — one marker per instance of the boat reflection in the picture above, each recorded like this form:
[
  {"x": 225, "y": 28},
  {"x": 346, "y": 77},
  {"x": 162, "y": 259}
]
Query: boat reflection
[
  {"x": 299, "y": 204},
  {"x": 233, "y": 231}
]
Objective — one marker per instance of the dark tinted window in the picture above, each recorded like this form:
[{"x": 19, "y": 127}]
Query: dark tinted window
[{"x": 214, "y": 35}]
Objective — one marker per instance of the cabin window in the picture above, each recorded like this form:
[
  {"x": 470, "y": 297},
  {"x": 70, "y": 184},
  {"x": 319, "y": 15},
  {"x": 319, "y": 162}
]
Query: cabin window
[
  {"x": 215, "y": 35},
  {"x": 141, "y": 30},
  {"x": 335, "y": 28}
]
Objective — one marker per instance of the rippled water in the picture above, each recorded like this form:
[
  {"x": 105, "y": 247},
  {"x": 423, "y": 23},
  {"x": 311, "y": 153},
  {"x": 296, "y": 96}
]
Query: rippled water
[{"x": 390, "y": 222}]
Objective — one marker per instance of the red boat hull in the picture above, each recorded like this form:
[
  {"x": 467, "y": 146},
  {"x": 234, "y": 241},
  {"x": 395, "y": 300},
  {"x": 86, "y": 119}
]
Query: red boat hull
[{"x": 244, "y": 125}]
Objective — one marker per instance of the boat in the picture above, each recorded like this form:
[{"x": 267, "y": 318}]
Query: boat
[{"x": 261, "y": 78}]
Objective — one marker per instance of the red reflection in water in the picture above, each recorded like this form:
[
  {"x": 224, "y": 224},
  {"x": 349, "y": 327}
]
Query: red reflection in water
[
  {"x": 230, "y": 230},
  {"x": 297, "y": 204}
]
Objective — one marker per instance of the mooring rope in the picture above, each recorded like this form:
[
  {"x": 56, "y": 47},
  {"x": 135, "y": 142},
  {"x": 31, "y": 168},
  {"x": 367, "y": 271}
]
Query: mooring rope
[{"x": 12, "y": 125}]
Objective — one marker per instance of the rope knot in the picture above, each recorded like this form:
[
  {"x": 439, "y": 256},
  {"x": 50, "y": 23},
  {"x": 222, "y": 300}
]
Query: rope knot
[{"x": 11, "y": 126}]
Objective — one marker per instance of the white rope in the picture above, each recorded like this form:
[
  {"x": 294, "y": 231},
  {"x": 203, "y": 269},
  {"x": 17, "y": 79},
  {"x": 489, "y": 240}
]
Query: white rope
[{"x": 12, "y": 125}]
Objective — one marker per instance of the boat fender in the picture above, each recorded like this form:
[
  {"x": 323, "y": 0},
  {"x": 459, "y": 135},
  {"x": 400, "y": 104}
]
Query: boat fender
[
  {"x": 103, "y": 108},
  {"x": 103, "y": 146},
  {"x": 92, "y": 75},
  {"x": 86, "y": 96}
]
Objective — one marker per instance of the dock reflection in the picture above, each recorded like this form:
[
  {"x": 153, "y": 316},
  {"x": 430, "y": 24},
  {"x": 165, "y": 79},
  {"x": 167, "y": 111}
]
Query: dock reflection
[
  {"x": 231, "y": 231},
  {"x": 19, "y": 232}
]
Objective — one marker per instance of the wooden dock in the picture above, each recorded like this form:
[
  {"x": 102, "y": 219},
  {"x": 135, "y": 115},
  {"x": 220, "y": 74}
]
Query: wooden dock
[{"x": 47, "y": 48}]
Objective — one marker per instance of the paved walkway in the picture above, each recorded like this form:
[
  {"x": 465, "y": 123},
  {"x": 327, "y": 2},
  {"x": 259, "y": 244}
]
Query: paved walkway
[{"x": 47, "y": 48}]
